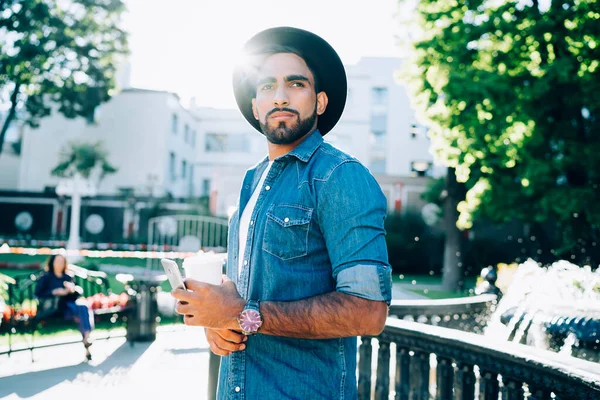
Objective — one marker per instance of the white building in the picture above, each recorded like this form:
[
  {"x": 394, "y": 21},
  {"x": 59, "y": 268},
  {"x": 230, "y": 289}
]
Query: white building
[
  {"x": 378, "y": 127},
  {"x": 394, "y": 142},
  {"x": 160, "y": 147},
  {"x": 148, "y": 136}
]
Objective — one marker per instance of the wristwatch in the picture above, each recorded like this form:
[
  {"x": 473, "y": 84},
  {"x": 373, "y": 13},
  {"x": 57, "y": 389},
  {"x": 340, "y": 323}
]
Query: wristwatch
[{"x": 250, "y": 319}]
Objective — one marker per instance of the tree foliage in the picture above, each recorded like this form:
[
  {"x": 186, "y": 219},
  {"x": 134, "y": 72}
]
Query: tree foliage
[
  {"x": 58, "y": 51},
  {"x": 511, "y": 93},
  {"x": 83, "y": 158}
]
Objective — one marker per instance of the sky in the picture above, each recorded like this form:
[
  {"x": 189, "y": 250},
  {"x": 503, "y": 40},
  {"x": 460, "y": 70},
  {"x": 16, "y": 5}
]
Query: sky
[{"x": 189, "y": 46}]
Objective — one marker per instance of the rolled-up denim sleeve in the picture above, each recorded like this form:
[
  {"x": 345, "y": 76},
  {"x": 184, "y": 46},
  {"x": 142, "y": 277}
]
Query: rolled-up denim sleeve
[{"x": 351, "y": 213}]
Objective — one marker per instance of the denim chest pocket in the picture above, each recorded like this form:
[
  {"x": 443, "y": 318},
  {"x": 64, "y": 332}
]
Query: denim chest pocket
[{"x": 286, "y": 231}]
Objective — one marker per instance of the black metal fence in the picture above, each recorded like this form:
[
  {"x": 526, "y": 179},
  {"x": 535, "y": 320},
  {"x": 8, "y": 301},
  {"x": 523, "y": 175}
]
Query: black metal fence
[{"x": 22, "y": 305}]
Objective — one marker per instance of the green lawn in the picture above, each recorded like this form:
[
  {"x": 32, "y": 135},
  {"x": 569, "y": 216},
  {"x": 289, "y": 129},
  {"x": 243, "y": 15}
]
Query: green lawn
[
  {"x": 429, "y": 286},
  {"x": 117, "y": 287},
  {"x": 428, "y": 280},
  {"x": 418, "y": 279},
  {"x": 434, "y": 294}
]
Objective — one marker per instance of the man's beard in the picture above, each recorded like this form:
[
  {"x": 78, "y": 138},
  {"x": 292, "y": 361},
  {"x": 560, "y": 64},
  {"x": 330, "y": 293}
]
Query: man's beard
[{"x": 286, "y": 135}]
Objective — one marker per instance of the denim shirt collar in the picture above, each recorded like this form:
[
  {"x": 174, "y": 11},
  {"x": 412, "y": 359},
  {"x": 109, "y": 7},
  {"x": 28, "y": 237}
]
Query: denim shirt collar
[{"x": 307, "y": 147}]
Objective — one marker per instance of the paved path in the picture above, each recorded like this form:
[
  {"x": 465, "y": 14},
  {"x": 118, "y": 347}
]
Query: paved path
[{"x": 174, "y": 366}]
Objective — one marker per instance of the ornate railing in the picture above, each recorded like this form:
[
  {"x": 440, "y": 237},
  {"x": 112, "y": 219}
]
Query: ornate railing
[{"x": 417, "y": 361}]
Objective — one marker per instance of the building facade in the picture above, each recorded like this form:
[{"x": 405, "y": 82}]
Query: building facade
[
  {"x": 161, "y": 148},
  {"x": 148, "y": 136},
  {"x": 378, "y": 127}
]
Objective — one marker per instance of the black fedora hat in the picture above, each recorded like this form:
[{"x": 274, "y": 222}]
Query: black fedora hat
[{"x": 320, "y": 57}]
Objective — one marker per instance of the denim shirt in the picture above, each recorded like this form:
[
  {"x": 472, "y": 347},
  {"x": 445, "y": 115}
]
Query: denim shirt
[{"x": 317, "y": 227}]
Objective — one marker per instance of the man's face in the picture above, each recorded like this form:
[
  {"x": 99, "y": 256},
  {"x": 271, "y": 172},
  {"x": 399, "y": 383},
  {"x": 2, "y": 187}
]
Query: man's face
[{"x": 286, "y": 104}]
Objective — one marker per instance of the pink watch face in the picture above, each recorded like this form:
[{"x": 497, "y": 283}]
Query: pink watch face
[{"x": 250, "y": 321}]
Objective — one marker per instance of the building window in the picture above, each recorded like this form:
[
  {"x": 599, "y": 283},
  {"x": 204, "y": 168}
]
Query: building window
[
  {"x": 221, "y": 142},
  {"x": 377, "y": 165},
  {"x": 379, "y": 139},
  {"x": 420, "y": 168},
  {"x": 239, "y": 143},
  {"x": 378, "y": 123},
  {"x": 183, "y": 169},
  {"x": 186, "y": 133},
  {"x": 191, "y": 181},
  {"x": 379, "y": 96},
  {"x": 205, "y": 187},
  {"x": 174, "y": 123},
  {"x": 216, "y": 142},
  {"x": 172, "y": 166}
]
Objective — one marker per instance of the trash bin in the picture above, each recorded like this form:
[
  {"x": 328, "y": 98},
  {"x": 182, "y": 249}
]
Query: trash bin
[{"x": 142, "y": 323}]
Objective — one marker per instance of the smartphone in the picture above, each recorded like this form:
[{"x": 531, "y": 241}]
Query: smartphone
[{"x": 173, "y": 273}]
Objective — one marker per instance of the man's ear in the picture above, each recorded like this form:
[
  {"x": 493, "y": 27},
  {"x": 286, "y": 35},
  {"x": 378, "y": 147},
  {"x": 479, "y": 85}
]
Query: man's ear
[
  {"x": 254, "y": 110},
  {"x": 322, "y": 101}
]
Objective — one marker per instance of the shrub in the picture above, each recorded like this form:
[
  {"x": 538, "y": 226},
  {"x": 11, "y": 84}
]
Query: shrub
[{"x": 413, "y": 246}]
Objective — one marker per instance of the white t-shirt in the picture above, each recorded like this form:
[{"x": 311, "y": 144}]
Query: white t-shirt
[{"x": 245, "y": 219}]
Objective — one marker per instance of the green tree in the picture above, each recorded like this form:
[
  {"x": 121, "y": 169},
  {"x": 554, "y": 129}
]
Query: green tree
[
  {"x": 57, "y": 51},
  {"x": 447, "y": 193},
  {"x": 511, "y": 93},
  {"x": 85, "y": 159}
]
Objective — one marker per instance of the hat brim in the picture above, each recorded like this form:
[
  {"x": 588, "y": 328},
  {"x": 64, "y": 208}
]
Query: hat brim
[{"x": 319, "y": 56}]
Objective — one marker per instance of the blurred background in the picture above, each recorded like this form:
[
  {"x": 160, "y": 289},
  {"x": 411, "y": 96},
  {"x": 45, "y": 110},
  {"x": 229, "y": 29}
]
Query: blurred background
[{"x": 120, "y": 140}]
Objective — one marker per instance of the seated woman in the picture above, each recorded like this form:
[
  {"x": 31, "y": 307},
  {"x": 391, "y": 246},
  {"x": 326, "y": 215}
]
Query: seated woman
[{"x": 56, "y": 282}]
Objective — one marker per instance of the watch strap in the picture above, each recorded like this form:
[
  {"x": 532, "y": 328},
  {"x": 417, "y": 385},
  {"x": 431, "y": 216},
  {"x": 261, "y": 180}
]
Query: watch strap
[{"x": 253, "y": 305}]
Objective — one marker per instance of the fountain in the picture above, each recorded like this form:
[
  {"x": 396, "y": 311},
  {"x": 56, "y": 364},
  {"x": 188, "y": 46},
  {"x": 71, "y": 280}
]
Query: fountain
[
  {"x": 531, "y": 332},
  {"x": 555, "y": 308}
]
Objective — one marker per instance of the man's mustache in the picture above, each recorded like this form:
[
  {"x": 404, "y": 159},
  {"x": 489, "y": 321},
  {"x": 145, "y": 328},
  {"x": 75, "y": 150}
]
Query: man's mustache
[{"x": 289, "y": 110}]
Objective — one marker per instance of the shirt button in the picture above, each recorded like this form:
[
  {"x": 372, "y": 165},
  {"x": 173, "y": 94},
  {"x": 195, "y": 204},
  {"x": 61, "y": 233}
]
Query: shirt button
[
  {"x": 245, "y": 262},
  {"x": 251, "y": 223},
  {"x": 268, "y": 188},
  {"x": 237, "y": 389},
  {"x": 286, "y": 220}
]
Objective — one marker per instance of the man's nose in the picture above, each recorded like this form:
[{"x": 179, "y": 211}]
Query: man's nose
[{"x": 281, "y": 98}]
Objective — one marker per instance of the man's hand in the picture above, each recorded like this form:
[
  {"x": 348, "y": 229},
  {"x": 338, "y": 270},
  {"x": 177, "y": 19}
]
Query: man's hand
[
  {"x": 210, "y": 306},
  {"x": 223, "y": 342}
]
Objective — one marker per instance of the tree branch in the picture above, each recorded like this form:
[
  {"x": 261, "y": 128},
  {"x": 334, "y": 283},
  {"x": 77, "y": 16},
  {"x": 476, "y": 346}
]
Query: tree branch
[{"x": 11, "y": 113}]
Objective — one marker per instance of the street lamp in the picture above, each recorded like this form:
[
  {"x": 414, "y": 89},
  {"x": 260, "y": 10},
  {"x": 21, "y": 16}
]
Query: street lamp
[{"x": 76, "y": 186}]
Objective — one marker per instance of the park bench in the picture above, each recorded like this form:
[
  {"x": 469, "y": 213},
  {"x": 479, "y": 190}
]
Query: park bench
[{"x": 21, "y": 315}]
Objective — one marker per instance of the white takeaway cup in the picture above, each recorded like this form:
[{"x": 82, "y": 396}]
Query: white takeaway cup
[{"x": 206, "y": 268}]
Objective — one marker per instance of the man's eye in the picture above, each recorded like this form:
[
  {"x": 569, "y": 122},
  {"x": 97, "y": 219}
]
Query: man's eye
[
  {"x": 266, "y": 87},
  {"x": 298, "y": 84}
]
